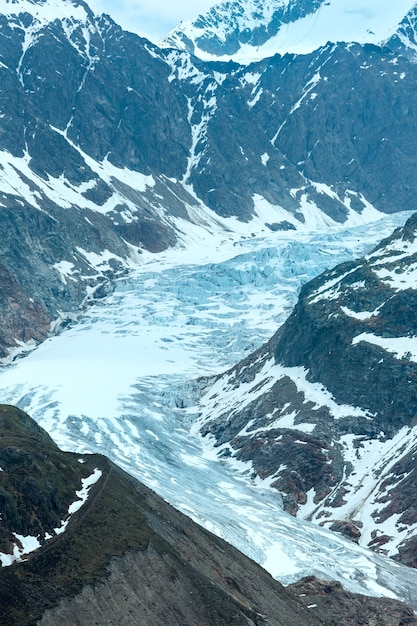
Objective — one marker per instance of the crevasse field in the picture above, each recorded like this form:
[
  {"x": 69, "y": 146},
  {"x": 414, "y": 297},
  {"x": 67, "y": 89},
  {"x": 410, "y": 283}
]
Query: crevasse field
[{"x": 121, "y": 381}]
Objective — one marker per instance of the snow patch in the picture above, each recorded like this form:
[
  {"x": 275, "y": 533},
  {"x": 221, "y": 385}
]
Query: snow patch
[
  {"x": 82, "y": 496},
  {"x": 66, "y": 269},
  {"x": 400, "y": 347},
  {"x": 398, "y": 278},
  {"x": 359, "y": 315},
  {"x": 330, "y": 290}
]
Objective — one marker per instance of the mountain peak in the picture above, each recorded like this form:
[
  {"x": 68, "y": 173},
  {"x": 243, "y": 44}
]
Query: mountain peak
[
  {"x": 249, "y": 30},
  {"x": 46, "y": 11}
]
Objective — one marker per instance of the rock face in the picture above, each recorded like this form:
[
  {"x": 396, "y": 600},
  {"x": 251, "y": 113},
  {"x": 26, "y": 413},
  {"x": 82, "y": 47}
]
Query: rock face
[
  {"x": 124, "y": 556},
  {"x": 37, "y": 481},
  {"x": 71, "y": 222},
  {"x": 326, "y": 598},
  {"x": 326, "y": 411},
  {"x": 110, "y": 146}
]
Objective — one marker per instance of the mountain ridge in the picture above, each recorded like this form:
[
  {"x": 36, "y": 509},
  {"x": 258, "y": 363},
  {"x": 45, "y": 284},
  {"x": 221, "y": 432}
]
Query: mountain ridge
[
  {"x": 290, "y": 142},
  {"x": 119, "y": 517},
  {"x": 249, "y": 30},
  {"x": 128, "y": 555},
  {"x": 325, "y": 411},
  {"x": 86, "y": 188}
]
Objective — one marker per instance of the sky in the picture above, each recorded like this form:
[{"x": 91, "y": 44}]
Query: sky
[{"x": 152, "y": 19}]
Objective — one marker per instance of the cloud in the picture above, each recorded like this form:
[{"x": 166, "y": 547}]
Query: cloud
[
  {"x": 152, "y": 19},
  {"x": 178, "y": 10}
]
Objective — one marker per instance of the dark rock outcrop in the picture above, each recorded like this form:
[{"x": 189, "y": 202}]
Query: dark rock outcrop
[
  {"x": 342, "y": 608},
  {"x": 37, "y": 480}
]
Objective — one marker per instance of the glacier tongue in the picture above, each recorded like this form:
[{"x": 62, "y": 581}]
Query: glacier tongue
[{"x": 119, "y": 382}]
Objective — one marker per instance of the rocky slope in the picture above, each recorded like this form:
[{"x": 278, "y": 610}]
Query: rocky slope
[
  {"x": 82, "y": 543},
  {"x": 111, "y": 146},
  {"x": 326, "y": 598},
  {"x": 326, "y": 411},
  {"x": 125, "y": 553}
]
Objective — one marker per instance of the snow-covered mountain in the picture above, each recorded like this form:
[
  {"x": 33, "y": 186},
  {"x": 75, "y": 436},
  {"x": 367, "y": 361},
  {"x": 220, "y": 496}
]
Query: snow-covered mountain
[
  {"x": 78, "y": 531},
  {"x": 249, "y": 30},
  {"x": 112, "y": 148},
  {"x": 326, "y": 411},
  {"x": 110, "y": 145}
]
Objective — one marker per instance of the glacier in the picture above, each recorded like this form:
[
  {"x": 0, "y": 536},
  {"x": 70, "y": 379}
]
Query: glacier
[{"x": 122, "y": 380}]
